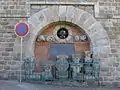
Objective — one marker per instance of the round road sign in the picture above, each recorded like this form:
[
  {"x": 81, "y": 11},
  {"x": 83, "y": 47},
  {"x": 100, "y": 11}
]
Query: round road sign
[{"x": 21, "y": 29}]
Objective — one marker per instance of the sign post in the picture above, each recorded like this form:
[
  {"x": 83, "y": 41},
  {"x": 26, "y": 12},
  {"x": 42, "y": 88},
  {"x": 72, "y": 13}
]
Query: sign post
[{"x": 21, "y": 30}]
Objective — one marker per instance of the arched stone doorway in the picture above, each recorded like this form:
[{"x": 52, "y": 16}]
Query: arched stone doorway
[{"x": 100, "y": 44}]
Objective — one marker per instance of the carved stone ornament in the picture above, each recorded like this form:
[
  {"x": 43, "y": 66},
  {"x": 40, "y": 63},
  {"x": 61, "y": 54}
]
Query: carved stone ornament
[
  {"x": 62, "y": 33},
  {"x": 83, "y": 37}
]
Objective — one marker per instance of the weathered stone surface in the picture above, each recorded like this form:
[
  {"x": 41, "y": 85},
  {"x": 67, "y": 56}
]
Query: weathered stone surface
[
  {"x": 12, "y": 62},
  {"x": 106, "y": 84},
  {"x": 105, "y": 69},
  {"x": 7, "y": 58},
  {"x": 113, "y": 50},
  {"x": 5, "y": 54},
  {"x": 117, "y": 78},
  {"x": 10, "y": 40},
  {"x": 1, "y": 67},
  {"x": 1, "y": 49},
  {"x": 35, "y": 20},
  {"x": 81, "y": 14},
  {"x": 89, "y": 22},
  {"x": 3, "y": 62},
  {"x": 7, "y": 44},
  {"x": 118, "y": 69},
  {"x": 70, "y": 13},
  {"x": 109, "y": 78},
  {"x": 115, "y": 64},
  {"x": 8, "y": 49},
  {"x": 62, "y": 13},
  {"x": 6, "y": 67},
  {"x": 16, "y": 58},
  {"x": 10, "y": 9},
  {"x": 15, "y": 67}
]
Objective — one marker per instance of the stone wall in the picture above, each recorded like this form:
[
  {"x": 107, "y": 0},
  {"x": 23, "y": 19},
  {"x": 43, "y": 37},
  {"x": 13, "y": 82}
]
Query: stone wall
[
  {"x": 109, "y": 9},
  {"x": 112, "y": 69},
  {"x": 7, "y": 40},
  {"x": 14, "y": 8},
  {"x": 12, "y": 11}
]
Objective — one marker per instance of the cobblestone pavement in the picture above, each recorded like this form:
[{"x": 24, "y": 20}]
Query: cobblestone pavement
[{"x": 14, "y": 85}]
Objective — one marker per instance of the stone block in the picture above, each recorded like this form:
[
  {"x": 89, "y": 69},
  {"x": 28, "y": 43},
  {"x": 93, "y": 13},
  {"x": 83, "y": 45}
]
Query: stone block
[
  {"x": 2, "y": 39},
  {"x": 109, "y": 74},
  {"x": 102, "y": 74},
  {"x": 70, "y": 13},
  {"x": 16, "y": 58},
  {"x": 78, "y": 12},
  {"x": 12, "y": 7},
  {"x": 85, "y": 16},
  {"x": 11, "y": 62},
  {"x": 62, "y": 12},
  {"x": 2, "y": 49},
  {"x": 5, "y": 54},
  {"x": 112, "y": 69},
  {"x": 9, "y": 27},
  {"x": 1, "y": 58},
  {"x": 6, "y": 67},
  {"x": 104, "y": 69},
  {"x": 7, "y": 45},
  {"x": 3, "y": 62},
  {"x": 35, "y": 20},
  {"x": 9, "y": 31},
  {"x": 101, "y": 49},
  {"x": 4, "y": 23},
  {"x": 2, "y": 31},
  {"x": 7, "y": 36},
  {"x": 117, "y": 78},
  {"x": 1, "y": 35},
  {"x": 14, "y": 36},
  {"x": 8, "y": 58},
  {"x": 101, "y": 79},
  {"x": 116, "y": 84},
  {"x": 1, "y": 67},
  {"x": 102, "y": 41},
  {"x": 10, "y": 40},
  {"x": 89, "y": 22},
  {"x": 8, "y": 49},
  {"x": 115, "y": 64},
  {"x": 13, "y": 75},
  {"x": 15, "y": 67},
  {"x": 118, "y": 69},
  {"x": 106, "y": 84},
  {"x": 11, "y": 44}
]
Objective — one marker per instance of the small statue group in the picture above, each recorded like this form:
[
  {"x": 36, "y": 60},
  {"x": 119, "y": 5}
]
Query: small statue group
[{"x": 80, "y": 65}]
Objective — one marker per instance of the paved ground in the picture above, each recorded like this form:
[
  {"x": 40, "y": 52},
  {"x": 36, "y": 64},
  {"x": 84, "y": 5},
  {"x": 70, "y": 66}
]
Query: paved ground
[{"x": 14, "y": 85}]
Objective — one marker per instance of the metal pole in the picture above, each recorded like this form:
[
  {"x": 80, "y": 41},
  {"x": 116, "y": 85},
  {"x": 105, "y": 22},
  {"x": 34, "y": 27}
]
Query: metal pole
[{"x": 21, "y": 61}]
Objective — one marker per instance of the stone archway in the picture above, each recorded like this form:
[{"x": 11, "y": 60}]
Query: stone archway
[{"x": 95, "y": 31}]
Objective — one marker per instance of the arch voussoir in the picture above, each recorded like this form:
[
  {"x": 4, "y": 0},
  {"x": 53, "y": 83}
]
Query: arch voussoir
[
  {"x": 62, "y": 13},
  {"x": 78, "y": 13},
  {"x": 70, "y": 13},
  {"x": 89, "y": 21}
]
